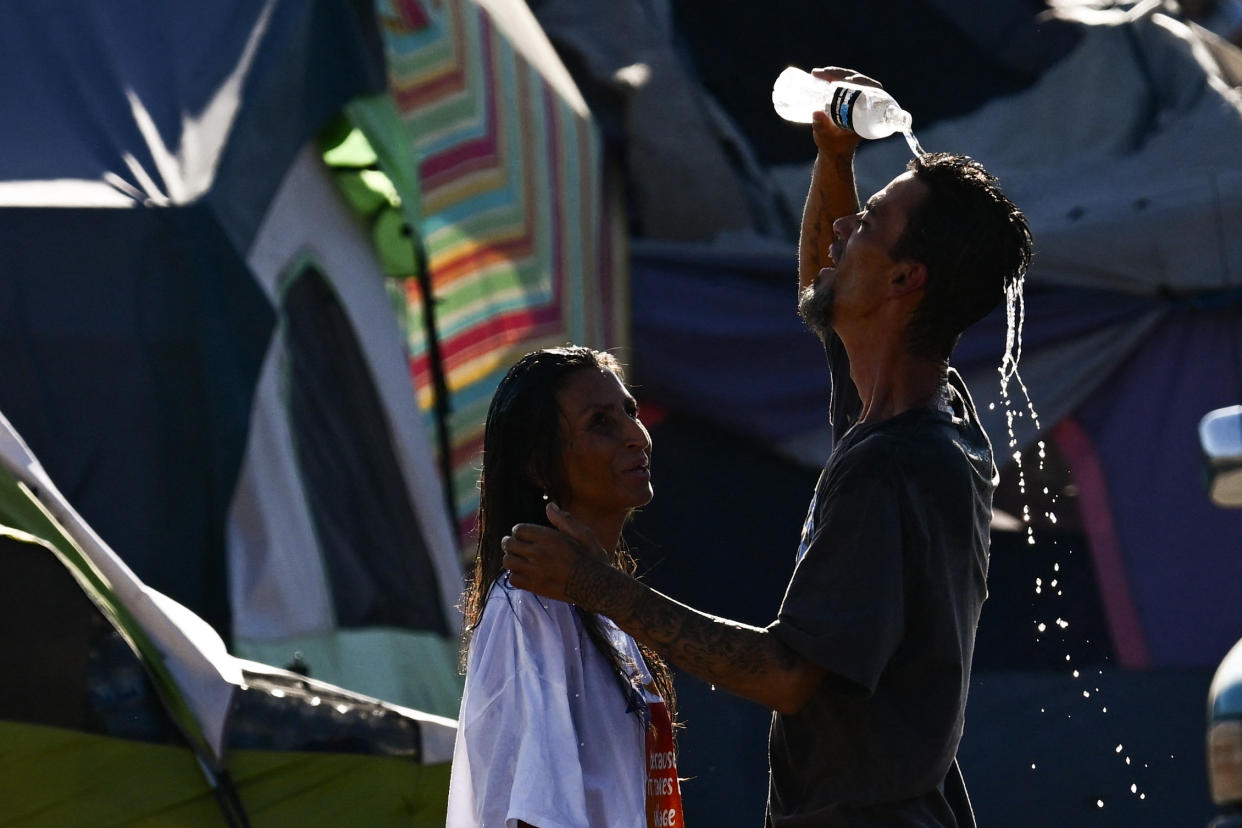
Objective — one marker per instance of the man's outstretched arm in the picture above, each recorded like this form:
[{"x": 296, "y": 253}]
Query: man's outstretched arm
[{"x": 750, "y": 662}]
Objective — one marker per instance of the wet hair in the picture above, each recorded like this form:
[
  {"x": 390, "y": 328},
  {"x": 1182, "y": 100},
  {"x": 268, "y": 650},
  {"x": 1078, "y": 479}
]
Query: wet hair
[
  {"x": 523, "y": 467},
  {"x": 974, "y": 242}
]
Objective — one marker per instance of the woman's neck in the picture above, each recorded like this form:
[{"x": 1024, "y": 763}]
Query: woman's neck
[{"x": 606, "y": 528}]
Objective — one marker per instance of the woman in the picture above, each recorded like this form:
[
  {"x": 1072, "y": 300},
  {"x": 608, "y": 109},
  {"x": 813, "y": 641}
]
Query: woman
[{"x": 564, "y": 720}]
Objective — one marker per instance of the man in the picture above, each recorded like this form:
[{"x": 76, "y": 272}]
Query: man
[{"x": 868, "y": 662}]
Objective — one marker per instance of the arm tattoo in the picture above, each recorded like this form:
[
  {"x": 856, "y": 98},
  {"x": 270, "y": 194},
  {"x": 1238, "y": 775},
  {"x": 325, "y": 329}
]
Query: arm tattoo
[
  {"x": 590, "y": 586},
  {"x": 706, "y": 645},
  {"x": 714, "y": 649}
]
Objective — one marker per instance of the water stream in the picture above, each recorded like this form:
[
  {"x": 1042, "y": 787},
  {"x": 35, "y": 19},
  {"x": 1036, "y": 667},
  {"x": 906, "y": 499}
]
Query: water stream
[{"x": 1015, "y": 316}]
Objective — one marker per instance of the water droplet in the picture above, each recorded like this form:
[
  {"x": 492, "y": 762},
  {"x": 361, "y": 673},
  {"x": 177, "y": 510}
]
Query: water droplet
[
  {"x": 1075, "y": 674},
  {"x": 1099, "y": 803},
  {"x": 1117, "y": 749},
  {"x": 1040, "y": 627},
  {"x": 1032, "y": 766},
  {"x": 713, "y": 688},
  {"x": 1133, "y": 788},
  {"x": 1086, "y": 694}
]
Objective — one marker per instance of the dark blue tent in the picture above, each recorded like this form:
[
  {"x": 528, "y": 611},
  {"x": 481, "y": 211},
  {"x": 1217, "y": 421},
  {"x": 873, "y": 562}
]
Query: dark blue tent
[{"x": 197, "y": 337}]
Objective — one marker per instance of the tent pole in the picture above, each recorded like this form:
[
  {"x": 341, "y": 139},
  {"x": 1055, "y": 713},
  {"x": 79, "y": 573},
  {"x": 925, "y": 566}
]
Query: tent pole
[
  {"x": 226, "y": 795},
  {"x": 443, "y": 404}
]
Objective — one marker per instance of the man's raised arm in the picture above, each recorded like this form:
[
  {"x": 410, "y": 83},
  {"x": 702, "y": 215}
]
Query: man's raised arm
[{"x": 833, "y": 192}]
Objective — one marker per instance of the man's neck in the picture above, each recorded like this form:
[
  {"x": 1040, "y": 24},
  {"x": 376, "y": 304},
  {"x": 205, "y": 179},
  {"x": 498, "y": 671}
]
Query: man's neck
[{"x": 891, "y": 381}]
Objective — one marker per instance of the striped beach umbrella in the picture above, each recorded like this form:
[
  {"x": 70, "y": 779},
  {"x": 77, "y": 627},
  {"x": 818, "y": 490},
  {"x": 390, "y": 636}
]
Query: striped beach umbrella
[{"x": 524, "y": 236}]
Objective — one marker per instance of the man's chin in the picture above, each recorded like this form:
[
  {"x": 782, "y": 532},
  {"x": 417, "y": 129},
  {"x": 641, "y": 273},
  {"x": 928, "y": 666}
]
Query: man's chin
[{"x": 815, "y": 308}]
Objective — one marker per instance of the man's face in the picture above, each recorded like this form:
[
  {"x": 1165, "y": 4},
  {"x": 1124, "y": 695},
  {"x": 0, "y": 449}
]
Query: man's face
[{"x": 857, "y": 285}]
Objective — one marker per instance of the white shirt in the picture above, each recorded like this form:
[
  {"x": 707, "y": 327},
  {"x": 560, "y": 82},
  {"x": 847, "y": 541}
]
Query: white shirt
[{"x": 544, "y": 735}]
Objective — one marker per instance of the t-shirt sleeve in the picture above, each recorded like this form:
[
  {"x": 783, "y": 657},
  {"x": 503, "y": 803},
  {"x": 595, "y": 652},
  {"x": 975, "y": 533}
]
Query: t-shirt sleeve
[
  {"x": 844, "y": 606},
  {"x": 520, "y": 738}
]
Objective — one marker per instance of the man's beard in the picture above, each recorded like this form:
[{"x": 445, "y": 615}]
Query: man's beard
[{"x": 815, "y": 308}]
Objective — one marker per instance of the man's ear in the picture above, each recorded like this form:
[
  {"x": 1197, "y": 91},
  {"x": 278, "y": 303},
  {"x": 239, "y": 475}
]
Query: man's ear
[{"x": 911, "y": 277}]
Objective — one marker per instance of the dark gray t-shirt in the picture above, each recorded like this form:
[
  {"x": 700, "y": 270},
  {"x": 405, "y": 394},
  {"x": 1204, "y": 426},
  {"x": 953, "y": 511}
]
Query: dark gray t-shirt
[{"x": 886, "y": 594}]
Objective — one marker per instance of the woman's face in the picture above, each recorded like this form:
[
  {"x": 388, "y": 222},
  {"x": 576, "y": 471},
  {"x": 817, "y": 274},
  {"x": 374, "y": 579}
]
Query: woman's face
[{"x": 606, "y": 450}]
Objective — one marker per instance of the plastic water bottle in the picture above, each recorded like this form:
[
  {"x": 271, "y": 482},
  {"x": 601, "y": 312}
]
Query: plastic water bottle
[{"x": 865, "y": 110}]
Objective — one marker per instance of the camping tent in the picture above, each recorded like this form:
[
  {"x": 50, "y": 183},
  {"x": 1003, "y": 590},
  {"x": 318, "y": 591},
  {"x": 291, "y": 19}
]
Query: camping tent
[
  {"x": 160, "y": 722},
  {"x": 263, "y": 265},
  {"x": 166, "y": 285},
  {"x": 258, "y": 260}
]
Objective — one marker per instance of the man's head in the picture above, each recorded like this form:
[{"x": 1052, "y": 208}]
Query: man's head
[
  {"x": 974, "y": 242},
  {"x": 940, "y": 241}
]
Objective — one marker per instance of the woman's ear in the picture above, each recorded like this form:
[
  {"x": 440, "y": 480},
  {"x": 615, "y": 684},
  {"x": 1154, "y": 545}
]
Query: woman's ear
[{"x": 536, "y": 477}]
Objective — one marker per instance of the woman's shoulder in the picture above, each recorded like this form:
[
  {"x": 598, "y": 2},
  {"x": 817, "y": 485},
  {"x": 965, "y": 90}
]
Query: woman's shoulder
[
  {"x": 507, "y": 604},
  {"x": 521, "y": 634}
]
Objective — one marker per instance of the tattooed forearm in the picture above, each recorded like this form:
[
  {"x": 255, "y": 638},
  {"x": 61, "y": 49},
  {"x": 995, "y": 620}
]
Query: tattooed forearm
[
  {"x": 597, "y": 587},
  {"x": 714, "y": 649},
  {"x": 739, "y": 658},
  {"x": 707, "y": 646}
]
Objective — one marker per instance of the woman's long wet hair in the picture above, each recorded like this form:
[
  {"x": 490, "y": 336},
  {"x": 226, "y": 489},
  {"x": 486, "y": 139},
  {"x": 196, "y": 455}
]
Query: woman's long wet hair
[{"x": 523, "y": 443}]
